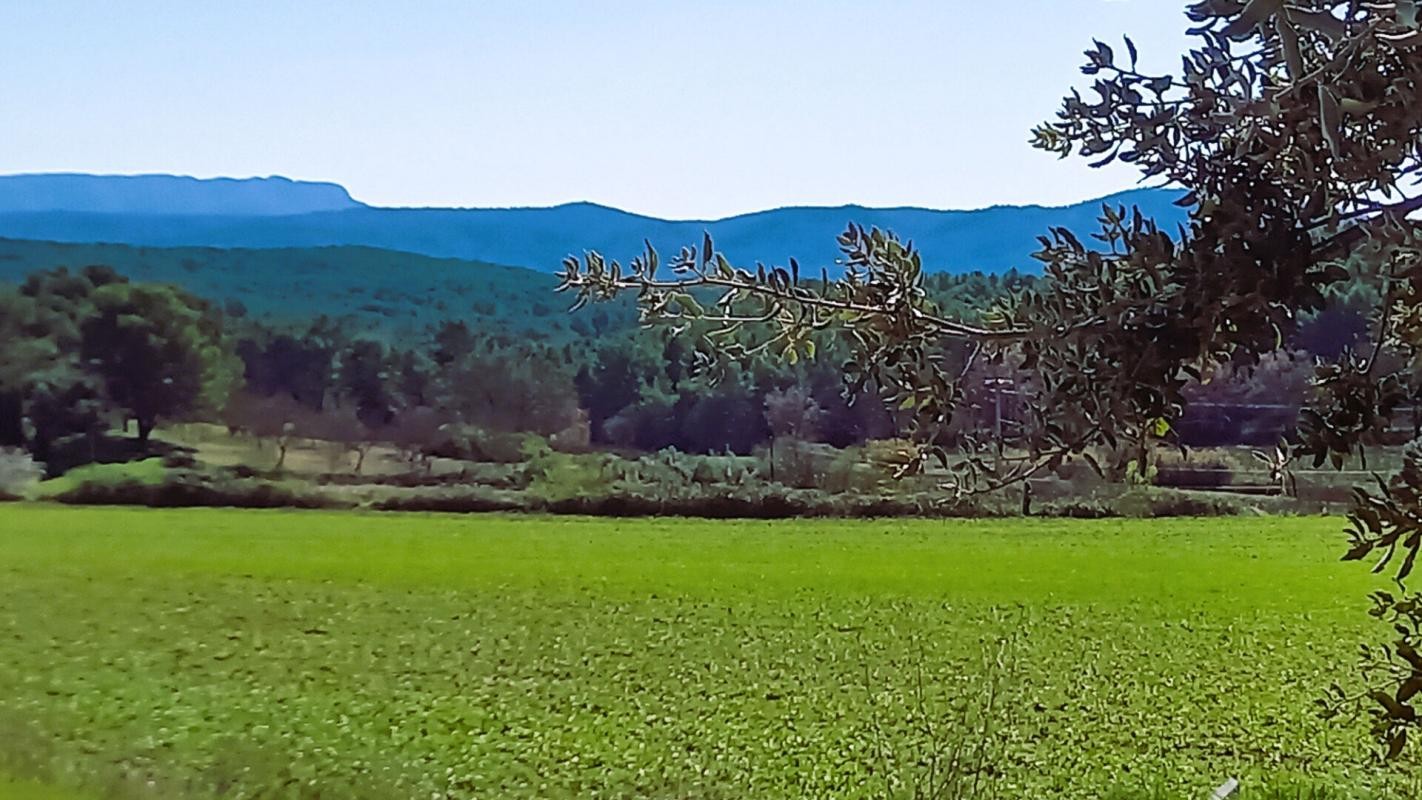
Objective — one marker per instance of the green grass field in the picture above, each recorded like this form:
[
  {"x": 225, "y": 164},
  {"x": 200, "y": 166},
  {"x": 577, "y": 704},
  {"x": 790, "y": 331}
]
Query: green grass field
[{"x": 296, "y": 654}]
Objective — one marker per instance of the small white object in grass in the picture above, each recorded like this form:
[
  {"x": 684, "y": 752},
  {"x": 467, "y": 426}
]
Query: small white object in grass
[{"x": 1225, "y": 789}]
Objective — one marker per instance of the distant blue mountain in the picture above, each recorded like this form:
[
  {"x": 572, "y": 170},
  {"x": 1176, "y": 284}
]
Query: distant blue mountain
[
  {"x": 991, "y": 239},
  {"x": 169, "y": 194}
]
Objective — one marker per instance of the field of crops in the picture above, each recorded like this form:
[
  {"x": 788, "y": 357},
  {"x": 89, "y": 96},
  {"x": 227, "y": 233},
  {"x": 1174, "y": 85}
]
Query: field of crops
[{"x": 201, "y": 653}]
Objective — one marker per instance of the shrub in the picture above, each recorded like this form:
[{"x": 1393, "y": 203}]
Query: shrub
[
  {"x": 671, "y": 470},
  {"x": 1195, "y": 477},
  {"x": 745, "y": 503},
  {"x": 794, "y": 463},
  {"x": 18, "y": 472},
  {"x": 766, "y": 502},
  {"x": 576, "y": 438},
  {"x": 626, "y": 504},
  {"x": 889, "y": 455},
  {"x": 668, "y": 468},
  {"x": 1089, "y": 508},
  {"x": 690, "y": 500},
  {"x": 496, "y": 476},
  {"x": 850, "y": 472},
  {"x": 195, "y": 489},
  {"x": 1150, "y": 502},
  {"x": 418, "y": 433},
  {"x": 555, "y": 476},
  {"x": 793, "y": 414},
  {"x": 1141, "y": 475},
  {"x": 1172, "y": 503},
  {"x": 463, "y": 501},
  {"x": 471, "y": 443}
]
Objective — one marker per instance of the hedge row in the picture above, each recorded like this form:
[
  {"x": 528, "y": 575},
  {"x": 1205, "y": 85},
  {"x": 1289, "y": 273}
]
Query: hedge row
[{"x": 182, "y": 488}]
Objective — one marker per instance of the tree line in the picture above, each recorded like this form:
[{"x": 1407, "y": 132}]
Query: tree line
[
  {"x": 82, "y": 352},
  {"x": 85, "y": 351}
]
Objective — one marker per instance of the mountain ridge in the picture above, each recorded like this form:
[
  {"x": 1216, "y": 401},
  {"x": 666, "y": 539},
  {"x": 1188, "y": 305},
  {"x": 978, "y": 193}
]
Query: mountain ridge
[
  {"x": 594, "y": 205},
  {"x": 171, "y": 194},
  {"x": 992, "y": 239}
]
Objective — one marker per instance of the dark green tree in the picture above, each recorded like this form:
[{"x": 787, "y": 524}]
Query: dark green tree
[
  {"x": 46, "y": 394},
  {"x": 619, "y": 371},
  {"x": 296, "y": 366},
  {"x": 22, "y": 354},
  {"x": 453, "y": 343},
  {"x": 159, "y": 351},
  {"x": 366, "y": 382}
]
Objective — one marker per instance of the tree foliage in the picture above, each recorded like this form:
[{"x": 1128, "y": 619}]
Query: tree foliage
[
  {"x": 47, "y": 391},
  {"x": 159, "y": 350}
]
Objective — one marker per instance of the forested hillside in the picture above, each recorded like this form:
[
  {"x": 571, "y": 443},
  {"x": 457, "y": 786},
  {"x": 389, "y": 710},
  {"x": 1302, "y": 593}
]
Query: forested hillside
[
  {"x": 391, "y": 294},
  {"x": 384, "y": 293}
]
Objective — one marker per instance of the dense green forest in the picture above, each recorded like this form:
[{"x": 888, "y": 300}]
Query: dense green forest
[
  {"x": 283, "y": 343},
  {"x": 391, "y": 294},
  {"x": 361, "y": 345}
]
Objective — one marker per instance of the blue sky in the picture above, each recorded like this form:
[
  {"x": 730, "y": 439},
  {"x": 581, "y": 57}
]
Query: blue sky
[{"x": 678, "y": 109}]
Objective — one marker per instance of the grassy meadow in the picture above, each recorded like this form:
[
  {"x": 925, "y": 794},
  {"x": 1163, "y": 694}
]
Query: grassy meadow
[{"x": 219, "y": 653}]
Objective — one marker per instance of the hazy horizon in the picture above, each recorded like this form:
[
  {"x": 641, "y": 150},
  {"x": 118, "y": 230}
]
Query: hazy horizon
[
  {"x": 750, "y": 212},
  {"x": 906, "y": 104}
]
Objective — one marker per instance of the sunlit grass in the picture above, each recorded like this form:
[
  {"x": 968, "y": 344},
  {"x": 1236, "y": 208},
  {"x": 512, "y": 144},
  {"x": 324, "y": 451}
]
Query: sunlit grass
[
  {"x": 19, "y": 789},
  {"x": 148, "y": 472},
  {"x": 411, "y": 655}
]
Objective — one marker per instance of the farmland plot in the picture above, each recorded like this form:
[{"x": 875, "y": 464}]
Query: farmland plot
[{"x": 309, "y": 654}]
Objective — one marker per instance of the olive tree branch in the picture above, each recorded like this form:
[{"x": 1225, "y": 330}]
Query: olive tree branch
[{"x": 588, "y": 279}]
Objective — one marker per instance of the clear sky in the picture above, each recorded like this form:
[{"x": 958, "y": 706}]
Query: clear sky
[{"x": 672, "y": 108}]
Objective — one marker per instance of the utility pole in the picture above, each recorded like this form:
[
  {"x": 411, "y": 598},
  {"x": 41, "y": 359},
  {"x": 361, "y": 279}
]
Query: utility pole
[
  {"x": 997, "y": 418},
  {"x": 997, "y": 384}
]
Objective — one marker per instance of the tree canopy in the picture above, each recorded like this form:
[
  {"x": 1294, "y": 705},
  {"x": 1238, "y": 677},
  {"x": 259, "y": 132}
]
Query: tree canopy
[{"x": 159, "y": 350}]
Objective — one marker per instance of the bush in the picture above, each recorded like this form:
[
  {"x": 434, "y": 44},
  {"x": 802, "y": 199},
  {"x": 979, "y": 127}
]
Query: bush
[
  {"x": 1195, "y": 477},
  {"x": 769, "y": 502},
  {"x": 470, "y": 443},
  {"x": 1078, "y": 472},
  {"x": 1081, "y": 509},
  {"x": 1151, "y": 502},
  {"x": 795, "y": 463},
  {"x": 496, "y": 476},
  {"x": 1167, "y": 503},
  {"x": 668, "y": 468},
  {"x": 195, "y": 489},
  {"x": 1141, "y": 475},
  {"x": 757, "y": 503},
  {"x": 18, "y": 472},
  {"x": 464, "y": 501},
  {"x": 671, "y": 471},
  {"x": 555, "y": 476},
  {"x": 851, "y": 472},
  {"x": 577, "y": 485}
]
